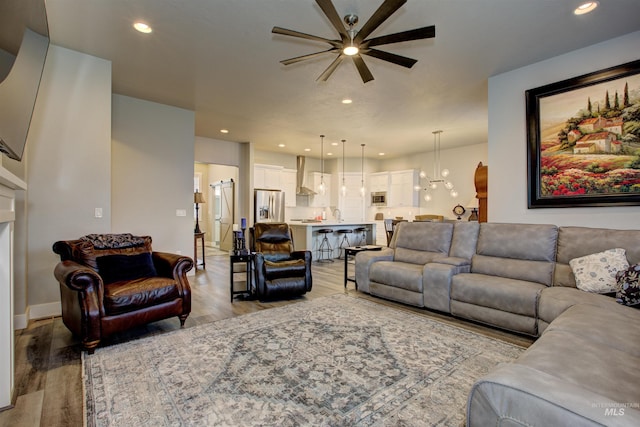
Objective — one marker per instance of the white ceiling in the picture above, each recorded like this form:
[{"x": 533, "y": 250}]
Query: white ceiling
[{"x": 220, "y": 59}]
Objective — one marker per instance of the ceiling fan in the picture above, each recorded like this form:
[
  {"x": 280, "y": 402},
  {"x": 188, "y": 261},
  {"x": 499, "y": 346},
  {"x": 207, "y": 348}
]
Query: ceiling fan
[{"x": 354, "y": 43}]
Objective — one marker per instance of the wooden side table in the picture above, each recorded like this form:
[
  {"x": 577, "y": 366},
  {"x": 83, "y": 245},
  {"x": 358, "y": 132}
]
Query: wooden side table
[{"x": 197, "y": 236}]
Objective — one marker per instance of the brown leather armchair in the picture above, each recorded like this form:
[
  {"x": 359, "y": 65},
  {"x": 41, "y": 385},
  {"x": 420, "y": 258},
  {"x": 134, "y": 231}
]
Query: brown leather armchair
[
  {"x": 279, "y": 270},
  {"x": 113, "y": 282}
]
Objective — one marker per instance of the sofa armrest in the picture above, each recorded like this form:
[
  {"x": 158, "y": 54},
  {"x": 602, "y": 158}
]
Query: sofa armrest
[
  {"x": 436, "y": 282},
  {"x": 307, "y": 257},
  {"x": 533, "y": 397},
  {"x": 171, "y": 265},
  {"x": 364, "y": 260},
  {"x": 455, "y": 261},
  {"x": 82, "y": 292},
  {"x": 78, "y": 277}
]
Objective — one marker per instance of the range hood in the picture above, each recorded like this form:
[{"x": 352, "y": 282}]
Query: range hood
[{"x": 301, "y": 190}]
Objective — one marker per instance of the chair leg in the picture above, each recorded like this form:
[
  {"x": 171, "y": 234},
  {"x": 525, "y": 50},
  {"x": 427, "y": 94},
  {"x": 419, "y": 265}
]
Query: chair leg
[
  {"x": 183, "y": 318},
  {"x": 90, "y": 347}
]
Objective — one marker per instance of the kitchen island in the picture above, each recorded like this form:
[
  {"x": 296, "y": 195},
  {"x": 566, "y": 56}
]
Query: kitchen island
[{"x": 305, "y": 236}]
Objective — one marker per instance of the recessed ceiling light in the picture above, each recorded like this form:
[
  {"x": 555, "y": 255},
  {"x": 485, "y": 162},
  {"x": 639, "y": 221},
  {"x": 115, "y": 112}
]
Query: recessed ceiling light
[
  {"x": 142, "y": 27},
  {"x": 307, "y": 149},
  {"x": 329, "y": 154},
  {"x": 585, "y": 7},
  {"x": 281, "y": 145},
  {"x": 380, "y": 154},
  {"x": 334, "y": 143},
  {"x": 224, "y": 130},
  {"x": 347, "y": 101}
]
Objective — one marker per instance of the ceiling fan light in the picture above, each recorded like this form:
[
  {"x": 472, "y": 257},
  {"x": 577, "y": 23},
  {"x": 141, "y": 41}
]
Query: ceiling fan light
[
  {"x": 423, "y": 174},
  {"x": 448, "y": 185},
  {"x": 350, "y": 50},
  {"x": 444, "y": 173},
  {"x": 453, "y": 193},
  {"x": 433, "y": 185},
  {"x": 427, "y": 197}
]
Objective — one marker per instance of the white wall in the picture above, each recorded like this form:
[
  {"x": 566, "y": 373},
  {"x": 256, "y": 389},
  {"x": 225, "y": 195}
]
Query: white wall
[
  {"x": 152, "y": 172},
  {"x": 69, "y": 168},
  {"x": 508, "y": 141}
]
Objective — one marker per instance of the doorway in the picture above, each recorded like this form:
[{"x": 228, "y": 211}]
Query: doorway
[
  {"x": 214, "y": 181},
  {"x": 224, "y": 212}
]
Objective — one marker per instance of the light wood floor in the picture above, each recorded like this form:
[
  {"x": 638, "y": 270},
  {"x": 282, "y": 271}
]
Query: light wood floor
[{"x": 48, "y": 382}]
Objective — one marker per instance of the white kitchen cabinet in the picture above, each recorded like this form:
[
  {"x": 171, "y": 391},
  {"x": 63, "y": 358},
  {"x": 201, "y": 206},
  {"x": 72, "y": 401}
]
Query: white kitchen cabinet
[
  {"x": 320, "y": 200},
  {"x": 351, "y": 205},
  {"x": 379, "y": 181},
  {"x": 401, "y": 188},
  {"x": 267, "y": 176},
  {"x": 288, "y": 181}
]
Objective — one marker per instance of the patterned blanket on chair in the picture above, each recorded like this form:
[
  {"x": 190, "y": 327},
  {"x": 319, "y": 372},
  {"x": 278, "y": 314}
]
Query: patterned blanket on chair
[{"x": 113, "y": 241}]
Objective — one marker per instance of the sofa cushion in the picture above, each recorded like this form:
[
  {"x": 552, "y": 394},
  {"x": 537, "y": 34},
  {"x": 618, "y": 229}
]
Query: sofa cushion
[
  {"x": 574, "y": 242},
  {"x": 132, "y": 295},
  {"x": 597, "y": 272},
  {"x": 555, "y": 300},
  {"x": 535, "y": 242},
  {"x": 284, "y": 269},
  {"x": 416, "y": 240},
  {"x": 576, "y": 359},
  {"x": 610, "y": 326},
  {"x": 509, "y": 295},
  {"x": 517, "y": 269},
  {"x": 115, "y": 268},
  {"x": 516, "y": 251},
  {"x": 399, "y": 274},
  {"x": 628, "y": 285}
]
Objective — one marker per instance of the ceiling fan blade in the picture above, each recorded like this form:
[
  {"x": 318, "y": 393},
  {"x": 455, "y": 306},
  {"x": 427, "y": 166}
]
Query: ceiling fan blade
[
  {"x": 305, "y": 57},
  {"x": 330, "y": 69},
  {"x": 385, "y": 10},
  {"x": 404, "y": 36},
  {"x": 391, "y": 57},
  {"x": 292, "y": 33},
  {"x": 330, "y": 11},
  {"x": 365, "y": 74}
]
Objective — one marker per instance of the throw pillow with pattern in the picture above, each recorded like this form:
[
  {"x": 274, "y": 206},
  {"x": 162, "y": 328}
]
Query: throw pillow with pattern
[
  {"x": 629, "y": 285},
  {"x": 597, "y": 272}
]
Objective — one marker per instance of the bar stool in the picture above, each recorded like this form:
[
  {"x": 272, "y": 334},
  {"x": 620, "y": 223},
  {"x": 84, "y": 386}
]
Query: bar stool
[
  {"x": 362, "y": 231},
  {"x": 325, "y": 251},
  {"x": 344, "y": 242}
]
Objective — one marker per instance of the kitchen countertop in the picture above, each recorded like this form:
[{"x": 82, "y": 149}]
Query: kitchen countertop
[{"x": 329, "y": 223}]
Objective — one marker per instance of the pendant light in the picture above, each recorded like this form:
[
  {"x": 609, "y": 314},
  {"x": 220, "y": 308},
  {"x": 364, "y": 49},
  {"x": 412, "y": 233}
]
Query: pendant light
[
  {"x": 321, "y": 188},
  {"x": 362, "y": 189},
  {"x": 343, "y": 189},
  {"x": 439, "y": 175}
]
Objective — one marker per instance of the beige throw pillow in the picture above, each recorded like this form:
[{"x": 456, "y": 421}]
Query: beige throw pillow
[{"x": 597, "y": 272}]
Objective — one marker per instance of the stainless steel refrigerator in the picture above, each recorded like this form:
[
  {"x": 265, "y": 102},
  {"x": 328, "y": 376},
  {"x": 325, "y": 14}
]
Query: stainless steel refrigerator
[{"x": 268, "y": 205}]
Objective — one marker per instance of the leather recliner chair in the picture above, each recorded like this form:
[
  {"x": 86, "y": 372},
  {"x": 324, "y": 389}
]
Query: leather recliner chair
[
  {"x": 279, "y": 270},
  {"x": 113, "y": 282}
]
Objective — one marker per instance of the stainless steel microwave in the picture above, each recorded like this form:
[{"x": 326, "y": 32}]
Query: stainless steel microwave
[{"x": 379, "y": 198}]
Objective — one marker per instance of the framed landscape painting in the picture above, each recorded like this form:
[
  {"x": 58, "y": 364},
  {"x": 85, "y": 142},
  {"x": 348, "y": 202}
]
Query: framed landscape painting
[{"x": 583, "y": 138}]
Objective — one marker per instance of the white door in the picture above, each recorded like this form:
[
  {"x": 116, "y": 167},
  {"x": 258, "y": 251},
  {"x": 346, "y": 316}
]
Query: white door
[{"x": 227, "y": 197}]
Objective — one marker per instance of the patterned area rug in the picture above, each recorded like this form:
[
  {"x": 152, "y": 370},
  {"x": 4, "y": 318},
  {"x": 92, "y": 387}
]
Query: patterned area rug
[{"x": 333, "y": 361}]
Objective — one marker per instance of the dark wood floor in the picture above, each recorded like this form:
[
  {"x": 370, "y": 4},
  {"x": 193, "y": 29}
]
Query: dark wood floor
[{"x": 48, "y": 382}]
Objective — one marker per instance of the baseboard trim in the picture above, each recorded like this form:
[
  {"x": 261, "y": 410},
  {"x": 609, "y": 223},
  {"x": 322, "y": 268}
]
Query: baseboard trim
[
  {"x": 20, "y": 321},
  {"x": 42, "y": 311}
]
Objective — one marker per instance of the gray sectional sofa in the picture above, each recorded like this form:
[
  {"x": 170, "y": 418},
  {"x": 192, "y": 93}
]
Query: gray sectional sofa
[{"x": 583, "y": 367}]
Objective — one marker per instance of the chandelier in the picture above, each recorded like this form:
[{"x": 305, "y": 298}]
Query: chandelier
[{"x": 439, "y": 176}]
